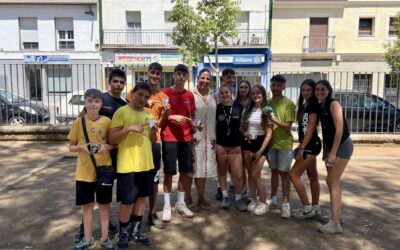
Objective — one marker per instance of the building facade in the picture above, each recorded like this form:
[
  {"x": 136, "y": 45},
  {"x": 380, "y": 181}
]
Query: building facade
[
  {"x": 48, "y": 48},
  {"x": 340, "y": 40},
  {"x": 138, "y": 32}
]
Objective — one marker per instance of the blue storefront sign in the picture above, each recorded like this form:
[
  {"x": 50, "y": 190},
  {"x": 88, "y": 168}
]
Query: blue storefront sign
[
  {"x": 248, "y": 60},
  {"x": 46, "y": 59}
]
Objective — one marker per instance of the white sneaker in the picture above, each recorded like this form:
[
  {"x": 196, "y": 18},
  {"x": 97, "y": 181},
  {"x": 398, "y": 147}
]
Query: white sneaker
[
  {"x": 262, "y": 208},
  {"x": 330, "y": 228},
  {"x": 285, "y": 211},
  {"x": 305, "y": 213},
  {"x": 317, "y": 210},
  {"x": 252, "y": 205},
  {"x": 183, "y": 209},
  {"x": 166, "y": 215},
  {"x": 273, "y": 201}
]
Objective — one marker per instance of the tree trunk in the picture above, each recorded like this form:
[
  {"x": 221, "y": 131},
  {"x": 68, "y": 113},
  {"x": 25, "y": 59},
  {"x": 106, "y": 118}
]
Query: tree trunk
[{"x": 216, "y": 63}]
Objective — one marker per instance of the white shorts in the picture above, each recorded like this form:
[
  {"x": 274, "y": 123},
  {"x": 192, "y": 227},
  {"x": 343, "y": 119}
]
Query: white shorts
[{"x": 280, "y": 159}]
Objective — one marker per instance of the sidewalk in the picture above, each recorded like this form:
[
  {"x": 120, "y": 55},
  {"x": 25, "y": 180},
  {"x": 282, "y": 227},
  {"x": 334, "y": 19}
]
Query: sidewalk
[{"x": 39, "y": 212}]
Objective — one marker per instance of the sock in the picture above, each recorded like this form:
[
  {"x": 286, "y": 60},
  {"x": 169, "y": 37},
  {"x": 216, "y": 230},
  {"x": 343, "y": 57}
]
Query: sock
[
  {"x": 238, "y": 197},
  {"x": 181, "y": 197},
  {"x": 316, "y": 207},
  {"x": 231, "y": 183},
  {"x": 167, "y": 201},
  {"x": 123, "y": 225},
  {"x": 225, "y": 193},
  {"x": 135, "y": 218}
]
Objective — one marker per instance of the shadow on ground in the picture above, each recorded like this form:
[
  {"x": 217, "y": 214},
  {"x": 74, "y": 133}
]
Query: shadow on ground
[{"x": 39, "y": 213}]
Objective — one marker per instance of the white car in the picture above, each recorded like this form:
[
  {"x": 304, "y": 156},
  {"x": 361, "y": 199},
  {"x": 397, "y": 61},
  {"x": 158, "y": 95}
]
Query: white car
[{"x": 69, "y": 107}]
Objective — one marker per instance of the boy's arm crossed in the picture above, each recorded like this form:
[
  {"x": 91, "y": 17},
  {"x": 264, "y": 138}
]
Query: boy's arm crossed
[
  {"x": 116, "y": 135},
  {"x": 75, "y": 147}
]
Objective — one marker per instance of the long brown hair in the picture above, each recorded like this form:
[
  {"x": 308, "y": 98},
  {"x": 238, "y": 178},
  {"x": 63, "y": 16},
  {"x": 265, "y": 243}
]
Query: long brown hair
[
  {"x": 244, "y": 125},
  {"x": 312, "y": 101}
]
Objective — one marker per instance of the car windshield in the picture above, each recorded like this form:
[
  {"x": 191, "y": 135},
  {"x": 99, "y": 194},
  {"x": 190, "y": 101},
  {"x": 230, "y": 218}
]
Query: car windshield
[{"x": 12, "y": 97}]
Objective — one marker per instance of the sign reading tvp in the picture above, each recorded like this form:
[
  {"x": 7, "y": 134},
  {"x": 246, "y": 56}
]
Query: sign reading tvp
[{"x": 46, "y": 59}]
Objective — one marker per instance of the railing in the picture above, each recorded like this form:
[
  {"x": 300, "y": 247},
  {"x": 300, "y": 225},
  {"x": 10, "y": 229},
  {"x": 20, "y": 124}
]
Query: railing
[
  {"x": 162, "y": 38},
  {"x": 52, "y": 94},
  {"x": 319, "y": 44}
]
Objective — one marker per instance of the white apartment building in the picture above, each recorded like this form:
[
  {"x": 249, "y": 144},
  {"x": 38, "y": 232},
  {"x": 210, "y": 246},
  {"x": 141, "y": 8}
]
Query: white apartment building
[
  {"x": 138, "y": 32},
  {"x": 48, "y": 48}
]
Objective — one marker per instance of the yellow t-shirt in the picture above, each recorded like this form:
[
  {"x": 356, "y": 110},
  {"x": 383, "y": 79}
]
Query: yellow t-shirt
[
  {"x": 134, "y": 151},
  {"x": 97, "y": 132}
]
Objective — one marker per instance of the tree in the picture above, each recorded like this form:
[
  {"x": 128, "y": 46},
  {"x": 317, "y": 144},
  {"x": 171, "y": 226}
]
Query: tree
[
  {"x": 392, "y": 54},
  {"x": 202, "y": 29}
]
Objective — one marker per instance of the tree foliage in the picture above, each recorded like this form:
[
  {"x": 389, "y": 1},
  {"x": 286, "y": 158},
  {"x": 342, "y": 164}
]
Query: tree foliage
[
  {"x": 203, "y": 26},
  {"x": 392, "y": 54}
]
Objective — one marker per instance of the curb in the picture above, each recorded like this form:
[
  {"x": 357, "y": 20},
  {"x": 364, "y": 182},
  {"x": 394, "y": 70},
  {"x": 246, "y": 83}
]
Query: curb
[{"x": 30, "y": 173}]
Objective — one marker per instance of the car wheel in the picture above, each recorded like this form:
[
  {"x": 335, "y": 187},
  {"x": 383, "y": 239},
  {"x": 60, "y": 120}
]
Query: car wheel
[
  {"x": 16, "y": 121},
  {"x": 397, "y": 128},
  {"x": 69, "y": 122}
]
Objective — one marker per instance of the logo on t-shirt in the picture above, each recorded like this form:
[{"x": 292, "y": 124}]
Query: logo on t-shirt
[
  {"x": 221, "y": 117},
  {"x": 186, "y": 102},
  {"x": 304, "y": 123}
]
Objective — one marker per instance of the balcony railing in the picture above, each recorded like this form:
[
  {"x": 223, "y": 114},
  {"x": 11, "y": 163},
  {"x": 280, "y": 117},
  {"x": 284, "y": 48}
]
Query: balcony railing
[
  {"x": 319, "y": 44},
  {"x": 162, "y": 38}
]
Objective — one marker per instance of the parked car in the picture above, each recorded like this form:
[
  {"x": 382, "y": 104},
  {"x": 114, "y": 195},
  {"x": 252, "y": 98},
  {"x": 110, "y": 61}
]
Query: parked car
[
  {"x": 16, "y": 110},
  {"x": 69, "y": 107},
  {"x": 366, "y": 112}
]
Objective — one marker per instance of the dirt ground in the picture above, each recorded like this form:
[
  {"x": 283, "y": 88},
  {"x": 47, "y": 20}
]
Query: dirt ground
[{"x": 39, "y": 212}]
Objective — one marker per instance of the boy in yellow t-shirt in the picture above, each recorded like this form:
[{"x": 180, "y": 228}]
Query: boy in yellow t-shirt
[
  {"x": 134, "y": 130},
  {"x": 97, "y": 127}
]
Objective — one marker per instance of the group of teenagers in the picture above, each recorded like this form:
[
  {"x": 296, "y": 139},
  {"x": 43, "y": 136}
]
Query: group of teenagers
[{"x": 203, "y": 134}]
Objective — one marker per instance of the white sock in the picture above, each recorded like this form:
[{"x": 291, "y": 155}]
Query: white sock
[
  {"x": 181, "y": 197},
  {"x": 231, "y": 183},
  {"x": 225, "y": 193},
  {"x": 238, "y": 197},
  {"x": 316, "y": 207},
  {"x": 167, "y": 200}
]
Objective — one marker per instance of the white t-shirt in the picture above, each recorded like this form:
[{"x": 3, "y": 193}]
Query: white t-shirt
[{"x": 255, "y": 123}]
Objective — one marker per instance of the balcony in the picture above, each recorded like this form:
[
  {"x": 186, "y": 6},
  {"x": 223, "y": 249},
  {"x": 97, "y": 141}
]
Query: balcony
[
  {"x": 319, "y": 44},
  {"x": 162, "y": 39}
]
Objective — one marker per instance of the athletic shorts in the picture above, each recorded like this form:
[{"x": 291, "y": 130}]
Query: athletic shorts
[
  {"x": 254, "y": 145},
  {"x": 131, "y": 186},
  {"x": 313, "y": 148},
  {"x": 280, "y": 159},
  {"x": 173, "y": 151},
  {"x": 345, "y": 150},
  {"x": 85, "y": 192}
]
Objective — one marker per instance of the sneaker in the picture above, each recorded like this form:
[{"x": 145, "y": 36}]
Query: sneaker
[
  {"x": 317, "y": 210},
  {"x": 261, "y": 208},
  {"x": 231, "y": 189},
  {"x": 182, "y": 209},
  {"x": 305, "y": 214},
  {"x": 273, "y": 201},
  {"x": 330, "y": 228},
  {"x": 155, "y": 221},
  {"x": 225, "y": 203},
  {"x": 285, "y": 211},
  {"x": 79, "y": 235},
  {"x": 218, "y": 195},
  {"x": 83, "y": 244},
  {"x": 106, "y": 244},
  {"x": 241, "y": 205},
  {"x": 252, "y": 205},
  {"x": 138, "y": 236},
  {"x": 166, "y": 215},
  {"x": 245, "y": 192},
  {"x": 112, "y": 229},
  {"x": 123, "y": 237}
]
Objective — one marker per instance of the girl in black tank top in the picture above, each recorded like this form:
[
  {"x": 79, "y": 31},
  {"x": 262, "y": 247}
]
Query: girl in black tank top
[
  {"x": 306, "y": 153},
  {"x": 338, "y": 149}
]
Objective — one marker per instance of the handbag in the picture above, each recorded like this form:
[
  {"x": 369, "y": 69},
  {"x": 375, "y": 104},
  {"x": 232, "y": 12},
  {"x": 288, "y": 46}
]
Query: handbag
[{"x": 104, "y": 174}]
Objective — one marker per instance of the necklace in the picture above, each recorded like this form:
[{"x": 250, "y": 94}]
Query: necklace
[{"x": 227, "y": 119}]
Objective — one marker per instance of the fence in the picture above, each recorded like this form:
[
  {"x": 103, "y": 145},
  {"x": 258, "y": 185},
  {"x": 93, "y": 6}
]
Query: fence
[{"x": 52, "y": 94}]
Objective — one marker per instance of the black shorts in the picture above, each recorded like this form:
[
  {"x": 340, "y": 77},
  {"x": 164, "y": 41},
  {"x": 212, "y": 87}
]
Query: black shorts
[
  {"x": 181, "y": 151},
  {"x": 85, "y": 192},
  {"x": 313, "y": 148},
  {"x": 254, "y": 145},
  {"x": 156, "y": 150},
  {"x": 131, "y": 186},
  {"x": 114, "y": 156}
]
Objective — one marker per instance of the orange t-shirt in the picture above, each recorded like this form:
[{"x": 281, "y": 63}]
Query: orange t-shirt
[{"x": 156, "y": 110}]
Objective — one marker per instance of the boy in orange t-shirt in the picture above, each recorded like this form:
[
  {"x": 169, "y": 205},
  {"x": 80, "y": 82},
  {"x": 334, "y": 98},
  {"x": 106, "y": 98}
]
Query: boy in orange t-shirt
[{"x": 158, "y": 106}]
